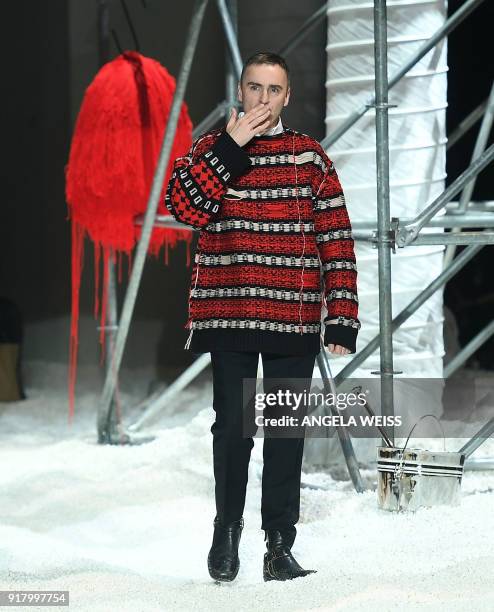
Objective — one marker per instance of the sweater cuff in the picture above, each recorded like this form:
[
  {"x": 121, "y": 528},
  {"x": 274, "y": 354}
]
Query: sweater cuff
[
  {"x": 231, "y": 155},
  {"x": 344, "y": 335}
]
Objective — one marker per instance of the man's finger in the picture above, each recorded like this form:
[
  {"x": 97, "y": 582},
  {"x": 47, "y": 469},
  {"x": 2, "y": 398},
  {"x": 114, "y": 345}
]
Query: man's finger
[
  {"x": 258, "y": 127},
  {"x": 255, "y": 110},
  {"x": 337, "y": 349},
  {"x": 258, "y": 117},
  {"x": 342, "y": 350},
  {"x": 232, "y": 119}
]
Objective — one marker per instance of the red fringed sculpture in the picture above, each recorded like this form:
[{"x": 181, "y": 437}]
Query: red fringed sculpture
[{"x": 113, "y": 155}]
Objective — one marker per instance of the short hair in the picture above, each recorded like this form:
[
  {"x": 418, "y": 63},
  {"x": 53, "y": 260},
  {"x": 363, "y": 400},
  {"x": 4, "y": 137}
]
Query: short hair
[{"x": 266, "y": 57}]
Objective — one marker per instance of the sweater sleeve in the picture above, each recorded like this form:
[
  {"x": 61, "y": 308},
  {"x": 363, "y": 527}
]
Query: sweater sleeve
[
  {"x": 336, "y": 250},
  {"x": 200, "y": 179}
]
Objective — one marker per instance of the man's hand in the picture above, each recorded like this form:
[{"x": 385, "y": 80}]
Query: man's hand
[
  {"x": 337, "y": 349},
  {"x": 254, "y": 122}
]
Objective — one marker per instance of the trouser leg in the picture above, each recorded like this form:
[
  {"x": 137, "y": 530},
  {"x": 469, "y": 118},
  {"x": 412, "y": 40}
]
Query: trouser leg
[
  {"x": 280, "y": 506},
  {"x": 231, "y": 451}
]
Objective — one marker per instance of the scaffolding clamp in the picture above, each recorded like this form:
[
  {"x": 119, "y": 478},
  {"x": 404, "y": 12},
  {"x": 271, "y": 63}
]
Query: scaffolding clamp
[
  {"x": 405, "y": 234},
  {"x": 389, "y": 236},
  {"x": 381, "y": 105}
]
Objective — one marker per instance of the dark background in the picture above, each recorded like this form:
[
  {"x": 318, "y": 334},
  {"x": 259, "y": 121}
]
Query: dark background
[
  {"x": 471, "y": 70},
  {"x": 51, "y": 56}
]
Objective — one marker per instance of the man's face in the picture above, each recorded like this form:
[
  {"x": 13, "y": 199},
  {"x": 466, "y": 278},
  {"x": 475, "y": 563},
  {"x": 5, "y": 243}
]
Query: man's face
[{"x": 264, "y": 84}]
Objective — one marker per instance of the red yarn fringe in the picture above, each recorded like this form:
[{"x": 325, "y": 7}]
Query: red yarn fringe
[{"x": 114, "y": 151}]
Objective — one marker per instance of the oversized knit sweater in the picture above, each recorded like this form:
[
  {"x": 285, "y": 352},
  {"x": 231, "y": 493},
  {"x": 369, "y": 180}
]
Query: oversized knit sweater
[{"x": 275, "y": 245}]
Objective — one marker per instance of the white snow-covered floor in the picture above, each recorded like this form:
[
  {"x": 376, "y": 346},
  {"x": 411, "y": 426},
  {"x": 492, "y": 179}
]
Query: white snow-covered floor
[{"x": 129, "y": 527}]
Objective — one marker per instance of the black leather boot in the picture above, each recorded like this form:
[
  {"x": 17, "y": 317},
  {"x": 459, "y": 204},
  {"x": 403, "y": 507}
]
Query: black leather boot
[
  {"x": 288, "y": 536},
  {"x": 223, "y": 561},
  {"x": 279, "y": 563}
]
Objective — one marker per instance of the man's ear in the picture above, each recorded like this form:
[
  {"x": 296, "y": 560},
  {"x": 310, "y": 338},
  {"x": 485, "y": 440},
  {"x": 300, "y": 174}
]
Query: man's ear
[
  {"x": 287, "y": 98},
  {"x": 239, "y": 93}
]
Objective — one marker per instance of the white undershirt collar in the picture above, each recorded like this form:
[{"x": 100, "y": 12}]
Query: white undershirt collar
[{"x": 277, "y": 129}]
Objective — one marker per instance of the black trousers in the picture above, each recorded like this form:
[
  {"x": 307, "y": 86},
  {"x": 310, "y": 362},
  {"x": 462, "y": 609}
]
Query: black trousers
[{"x": 282, "y": 456}]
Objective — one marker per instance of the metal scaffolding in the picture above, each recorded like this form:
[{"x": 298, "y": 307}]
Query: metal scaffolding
[{"x": 389, "y": 233}]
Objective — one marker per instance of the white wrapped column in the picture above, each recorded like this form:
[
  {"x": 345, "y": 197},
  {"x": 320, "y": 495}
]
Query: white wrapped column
[
  {"x": 417, "y": 143},
  {"x": 417, "y": 136}
]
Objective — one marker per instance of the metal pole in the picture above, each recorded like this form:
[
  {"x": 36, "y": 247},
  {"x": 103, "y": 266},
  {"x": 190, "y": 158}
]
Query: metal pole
[
  {"x": 467, "y": 219},
  {"x": 231, "y": 77},
  {"x": 152, "y": 205},
  {"x": 466, "y": 124},
  {"x": 383, "y": 210},
  {"x": 111, "y": 323},
  {"x": 170, "y": 392},
  {"x": 479, "y": 148},
  {"x": 343, "y": 435},
  {"x": 469, "y": 349},
  {"x": 165, "y": 221},
  {"x": 448, "y": 27},
  {"x": 457, "y": 264},
  {"x": 450, "y": 238},
  {"x": 214, "y": 116},
  {"x": 113, "y": 422},
  {"x": 483, "y": 237},
  {"x": 231, "y": 37},
  {"x": 479, "y": 438},
  {"x": 482, "y": 206},
  {"x": 407, "y": 234},
  {"x": 479, "y": 463}
]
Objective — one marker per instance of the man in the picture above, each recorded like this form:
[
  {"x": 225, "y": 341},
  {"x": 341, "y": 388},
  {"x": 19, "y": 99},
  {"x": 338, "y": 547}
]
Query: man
[{"x": 275, "y": 242}]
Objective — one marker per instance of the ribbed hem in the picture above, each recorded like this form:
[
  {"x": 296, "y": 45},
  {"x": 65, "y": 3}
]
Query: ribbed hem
[
  {"x": 344, "y": 335},
  {"x": 283, "y": 343},
  {"x": 231, "y": 155}
]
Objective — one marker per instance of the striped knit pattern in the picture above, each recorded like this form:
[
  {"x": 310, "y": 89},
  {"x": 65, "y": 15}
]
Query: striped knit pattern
[{"x": 275, "y": 244}]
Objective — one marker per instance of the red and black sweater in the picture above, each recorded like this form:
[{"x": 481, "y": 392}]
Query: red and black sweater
[{"x": 275, "y": 245}]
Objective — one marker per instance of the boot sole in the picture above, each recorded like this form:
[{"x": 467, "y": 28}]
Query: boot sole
[
  {"x": 268, "y": 577},
  {"x": 266, "y": 574},
  {"x": 222, "y": 579}
]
